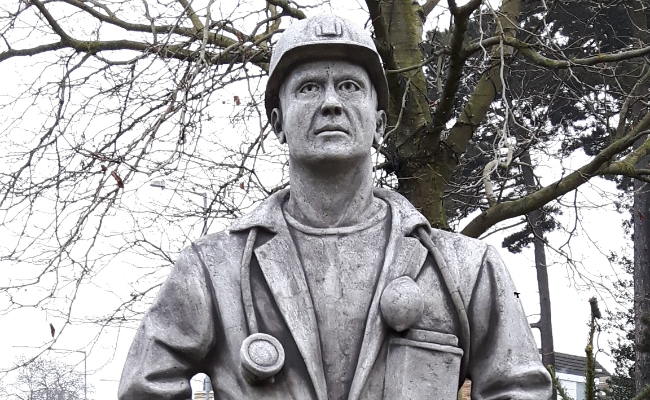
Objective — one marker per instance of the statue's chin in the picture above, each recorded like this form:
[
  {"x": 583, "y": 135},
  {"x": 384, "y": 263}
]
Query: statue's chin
[{"x": 332, "y": 155}]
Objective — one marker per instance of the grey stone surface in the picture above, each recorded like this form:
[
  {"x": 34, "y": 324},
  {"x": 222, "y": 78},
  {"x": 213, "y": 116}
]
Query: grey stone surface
[
  {"x": 333, "y": 289},
  {"x": 401, "y": 303}
]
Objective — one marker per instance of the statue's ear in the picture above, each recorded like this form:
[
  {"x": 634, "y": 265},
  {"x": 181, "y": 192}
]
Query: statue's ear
[
  {"x": 276, "y": 124},
  {"x": 381, "y": 126}
]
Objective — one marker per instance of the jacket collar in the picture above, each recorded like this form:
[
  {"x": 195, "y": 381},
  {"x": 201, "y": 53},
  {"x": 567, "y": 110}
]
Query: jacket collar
[
  {"x": 268, "y": 214},
  {"x": 280, "y": 265}
]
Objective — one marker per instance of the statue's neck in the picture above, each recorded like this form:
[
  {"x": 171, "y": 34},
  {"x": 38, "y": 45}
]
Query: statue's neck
[{"x": 331, "y": 196}]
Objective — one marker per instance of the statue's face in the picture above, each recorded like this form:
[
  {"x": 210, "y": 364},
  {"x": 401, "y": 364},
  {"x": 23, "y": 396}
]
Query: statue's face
[{"x": 328, "y": 112}]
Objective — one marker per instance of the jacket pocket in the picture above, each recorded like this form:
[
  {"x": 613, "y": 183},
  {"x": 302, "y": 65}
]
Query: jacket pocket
[{"x": 422, "y": 365}]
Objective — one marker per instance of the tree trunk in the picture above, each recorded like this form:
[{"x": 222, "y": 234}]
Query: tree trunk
[
  {"x": 544, "y": 325},
  {"x": 642, "y": 280},
  {"x": 422, "y": 163},
  {"x": 398, "y": 29},
  {"x": 641, "y": 215},
  {"x": 535, "y": 219}
]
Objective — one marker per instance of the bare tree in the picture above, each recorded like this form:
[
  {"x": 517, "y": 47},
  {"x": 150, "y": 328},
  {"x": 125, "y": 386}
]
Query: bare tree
[{"x": 46, "y": 379}]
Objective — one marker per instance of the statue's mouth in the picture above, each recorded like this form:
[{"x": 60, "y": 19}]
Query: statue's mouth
[{"x": 332, "y": 128}]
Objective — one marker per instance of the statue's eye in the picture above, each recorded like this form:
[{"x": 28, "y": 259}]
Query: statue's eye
[
  {"x": 348, "y": 86},
  {"x": 309, "y": 88}
]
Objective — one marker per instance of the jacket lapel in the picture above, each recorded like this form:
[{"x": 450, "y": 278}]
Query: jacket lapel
[
  {"x": 280, "y": 265},
  {"x": 404, "y": 256}
]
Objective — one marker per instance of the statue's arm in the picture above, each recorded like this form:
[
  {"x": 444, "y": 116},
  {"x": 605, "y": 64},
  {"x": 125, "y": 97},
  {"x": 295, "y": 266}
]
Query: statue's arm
[
  {"x": 174, "y": 337},
  {"x": 504, "y": 360}
]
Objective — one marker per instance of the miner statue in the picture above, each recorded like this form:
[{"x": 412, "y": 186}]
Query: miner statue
[{"x": 333, "y": 289}]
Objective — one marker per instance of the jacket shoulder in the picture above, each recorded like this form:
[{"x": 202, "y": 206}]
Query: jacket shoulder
[
  {"x": 458, "y": 242},
  {"x": 464, "y": 257},
  {"x": 217, "y": 250}
]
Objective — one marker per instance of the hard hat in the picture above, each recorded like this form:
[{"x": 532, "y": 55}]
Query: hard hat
[{"x": 324, "y": 37}]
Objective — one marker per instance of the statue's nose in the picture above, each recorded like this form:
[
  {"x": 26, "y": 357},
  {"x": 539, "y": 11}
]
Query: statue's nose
[{"x": 331, "y": 104}]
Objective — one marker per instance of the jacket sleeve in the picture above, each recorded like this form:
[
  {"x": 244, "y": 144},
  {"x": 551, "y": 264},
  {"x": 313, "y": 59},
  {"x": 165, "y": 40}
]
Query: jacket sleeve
[
  {"x": 504, "y": 361},
  {"x": 174, "y": 337}
]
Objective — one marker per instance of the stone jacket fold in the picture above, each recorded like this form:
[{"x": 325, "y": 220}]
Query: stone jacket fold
[{"x": 197, "y": 322}]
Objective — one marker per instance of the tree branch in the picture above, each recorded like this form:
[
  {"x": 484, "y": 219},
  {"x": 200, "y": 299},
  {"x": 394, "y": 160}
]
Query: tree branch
[
  {"x": 31, "y": 52},
  {"x": 622, "y": 115},
  {"x": 50, "y": 19},
  {"x": 214, "y": 39},
  {"x": 429, "y": 6},
  {"x": 639, "y": 174},
  {"x": 176, "y": 51},
  {"x": 534, "y": 201},
  {"x": 488, "y": 86},
  {"x": 465, "y": 10},
  {"x": 483, "y": 44},
  {"x": 627, "y": 165},
  {"x": 196, "y": 22},
  {"x": 527, "y": 51},
  {"x": 435, "y": 55},
  {"x": 456, "y": 65},
  {"x": 286, "y": 8}
]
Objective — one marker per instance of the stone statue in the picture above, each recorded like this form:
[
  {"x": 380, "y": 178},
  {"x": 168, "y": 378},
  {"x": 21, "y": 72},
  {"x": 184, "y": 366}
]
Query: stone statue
[{"x": 333, "y": 289}]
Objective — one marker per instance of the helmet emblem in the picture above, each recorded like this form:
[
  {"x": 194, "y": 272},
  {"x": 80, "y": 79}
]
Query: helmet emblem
[{"x": 329, "y": 27}]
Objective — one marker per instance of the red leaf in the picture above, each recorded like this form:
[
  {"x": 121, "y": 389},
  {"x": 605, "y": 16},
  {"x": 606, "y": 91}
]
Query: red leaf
[
  {"x": 241, "y": 185},
  {"x": 120, "y": 184},
  {"x": 641, "y": 217},
  {"x": 52, "y": 331},
  {"x": 237, "y": 102}
]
